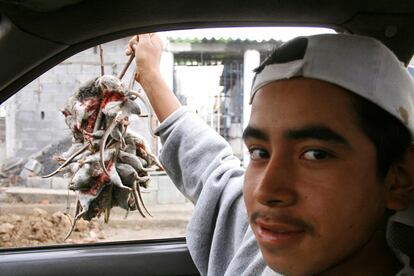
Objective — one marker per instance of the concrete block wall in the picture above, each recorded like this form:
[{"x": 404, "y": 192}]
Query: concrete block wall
[
  {"x": 34, "y": 120},
  {"x": 33, "y": 117}
]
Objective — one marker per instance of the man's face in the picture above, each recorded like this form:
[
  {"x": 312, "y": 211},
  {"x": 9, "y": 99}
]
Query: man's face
[{"x": 311, "y": 188}]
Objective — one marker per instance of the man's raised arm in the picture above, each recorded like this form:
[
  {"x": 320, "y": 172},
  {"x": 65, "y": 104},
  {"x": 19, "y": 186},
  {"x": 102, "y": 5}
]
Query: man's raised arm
[{"x": 148, "y": 49}]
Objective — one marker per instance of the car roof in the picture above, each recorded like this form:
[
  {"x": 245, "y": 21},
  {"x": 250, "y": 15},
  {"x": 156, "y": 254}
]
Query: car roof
[{"x": 37, "y": 34}]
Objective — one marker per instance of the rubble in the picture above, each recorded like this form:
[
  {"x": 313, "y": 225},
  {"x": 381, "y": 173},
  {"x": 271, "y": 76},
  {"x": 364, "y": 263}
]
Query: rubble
[
  {"x": 46, "y": 156},
  {"x": 42, "y": 228},
  {"x": 10, "y": 170},
  {"x": 18, "y": 171}
]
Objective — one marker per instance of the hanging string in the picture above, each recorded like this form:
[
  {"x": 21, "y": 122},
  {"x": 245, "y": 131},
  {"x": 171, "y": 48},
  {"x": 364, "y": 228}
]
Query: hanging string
[{"x": 102, "y": 60}]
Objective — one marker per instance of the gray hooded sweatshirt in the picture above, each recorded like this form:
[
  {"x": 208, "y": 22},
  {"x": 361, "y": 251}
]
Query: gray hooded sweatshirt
[{"x": 202, "y": 166}]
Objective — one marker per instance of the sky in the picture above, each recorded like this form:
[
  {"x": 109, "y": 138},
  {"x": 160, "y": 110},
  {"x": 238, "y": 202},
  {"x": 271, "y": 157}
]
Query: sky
[{"x": 252, "y": 33}]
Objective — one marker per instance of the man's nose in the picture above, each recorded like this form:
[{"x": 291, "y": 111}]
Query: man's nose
[{"x": 277, "y": 186}]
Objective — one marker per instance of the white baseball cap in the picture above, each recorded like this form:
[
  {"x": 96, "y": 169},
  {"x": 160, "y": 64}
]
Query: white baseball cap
[{"x": 362, "y": 65}]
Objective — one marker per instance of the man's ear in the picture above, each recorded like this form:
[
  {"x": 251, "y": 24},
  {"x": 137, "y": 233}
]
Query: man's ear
[{"x": 400, "y": 182}]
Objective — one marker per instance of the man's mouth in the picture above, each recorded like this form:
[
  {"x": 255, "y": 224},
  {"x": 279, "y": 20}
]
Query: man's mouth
[
  {"x": 277, "y": 235},
  {"x": 278, "y": 232}
]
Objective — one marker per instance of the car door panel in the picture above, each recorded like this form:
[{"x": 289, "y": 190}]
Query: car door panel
[{"x": 155, "y": 257}]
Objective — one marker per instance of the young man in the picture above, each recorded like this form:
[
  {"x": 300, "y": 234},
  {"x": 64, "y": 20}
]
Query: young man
[{"x": 329, "y": 186}]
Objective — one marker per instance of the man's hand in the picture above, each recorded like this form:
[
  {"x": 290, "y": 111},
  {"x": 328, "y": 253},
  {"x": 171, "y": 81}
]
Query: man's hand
[{"x": 147, "y": 49}]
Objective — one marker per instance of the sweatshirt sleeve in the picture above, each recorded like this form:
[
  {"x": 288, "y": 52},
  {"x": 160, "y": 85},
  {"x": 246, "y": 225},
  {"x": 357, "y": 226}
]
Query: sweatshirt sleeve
[
  {"x": 202, "y": 166},
  {"x": 193, "y": 153}
]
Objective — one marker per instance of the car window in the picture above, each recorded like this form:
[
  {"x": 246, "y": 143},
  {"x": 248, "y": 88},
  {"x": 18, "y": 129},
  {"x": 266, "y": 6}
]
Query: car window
[
  {"x": 411, "y": 67},
  {"x": 209, "y": 70}
]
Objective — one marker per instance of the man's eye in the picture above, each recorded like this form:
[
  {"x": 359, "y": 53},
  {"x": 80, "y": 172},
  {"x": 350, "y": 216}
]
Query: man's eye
[
  {"x": 258, "y": 154},
  {"x": 315, "y": 155}
]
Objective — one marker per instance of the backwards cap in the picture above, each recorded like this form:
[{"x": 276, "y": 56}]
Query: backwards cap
[{"x": 360, "y": 64}]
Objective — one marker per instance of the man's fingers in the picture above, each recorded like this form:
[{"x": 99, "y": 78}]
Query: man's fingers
[
  {"x": 156, "y": 40},
  {"x": 131, "y": 45},
  {"x": 144, "y": 38}
]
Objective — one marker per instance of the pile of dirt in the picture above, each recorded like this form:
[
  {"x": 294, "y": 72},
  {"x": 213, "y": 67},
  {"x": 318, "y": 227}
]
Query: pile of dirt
[{"x": 42, "y": 228}]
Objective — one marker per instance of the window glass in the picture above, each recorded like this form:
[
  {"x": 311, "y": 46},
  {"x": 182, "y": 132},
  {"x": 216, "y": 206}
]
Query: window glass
[
  {"x": 209, "y": 70},
  {"x": 411, "y": 67}
]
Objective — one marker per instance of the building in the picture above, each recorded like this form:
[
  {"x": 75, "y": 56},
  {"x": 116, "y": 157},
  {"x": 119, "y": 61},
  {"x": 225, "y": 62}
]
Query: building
[{"x": 33, "y": 117}]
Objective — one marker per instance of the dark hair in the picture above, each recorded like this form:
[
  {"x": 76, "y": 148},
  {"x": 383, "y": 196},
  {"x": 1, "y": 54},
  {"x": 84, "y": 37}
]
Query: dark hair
[
  {"x": 389, "y": 135},
  {"x": 289, "y": 51}
]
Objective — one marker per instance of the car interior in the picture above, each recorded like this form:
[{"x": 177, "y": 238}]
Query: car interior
[{"x": 35, "y": 35}]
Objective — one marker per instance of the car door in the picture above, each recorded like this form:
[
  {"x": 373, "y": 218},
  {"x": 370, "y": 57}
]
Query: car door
[{"x": 37, "y": 37}]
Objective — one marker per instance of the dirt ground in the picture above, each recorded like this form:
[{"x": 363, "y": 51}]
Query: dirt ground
[
  {"x": 42, "y": 228},
  {"x": 28, "y": 226}
]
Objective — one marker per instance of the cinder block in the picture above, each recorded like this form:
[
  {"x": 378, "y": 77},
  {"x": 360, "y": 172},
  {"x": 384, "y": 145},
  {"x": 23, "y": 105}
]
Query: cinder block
[
  {"x": 47, "y": 137},
  {"x": 59, "y": 183},
  {"x": 91, "y": 69},
  {"x": 82, "y": 79},
  {"x": 49, "y": 77},
  {"x": 33, "y": 165},
  {"x": 109, "y": 70},
  {"x": 67, "y": 89},
  {"x": 109, "y": 49},
  {"x": 167, "y": 193},
  {"x": 74, "y": 69},
  {"x": 35, "y": 195},
  {"x": 150, "y": 194},
  {"x": 152, "y": 184},
  {"x": 49, "y": 88},
  {"x": 27, "y": 104},
  {"x": 25, "y": 95},
  {"x": 25, "y": 117},
  {"x": 116, "y": 58},
  {"x": 38, "y": 182},
  {"x": 65, "y": 78},
  {"x": 49, "y": 105},
  {"x": 149, "y": 197}
]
